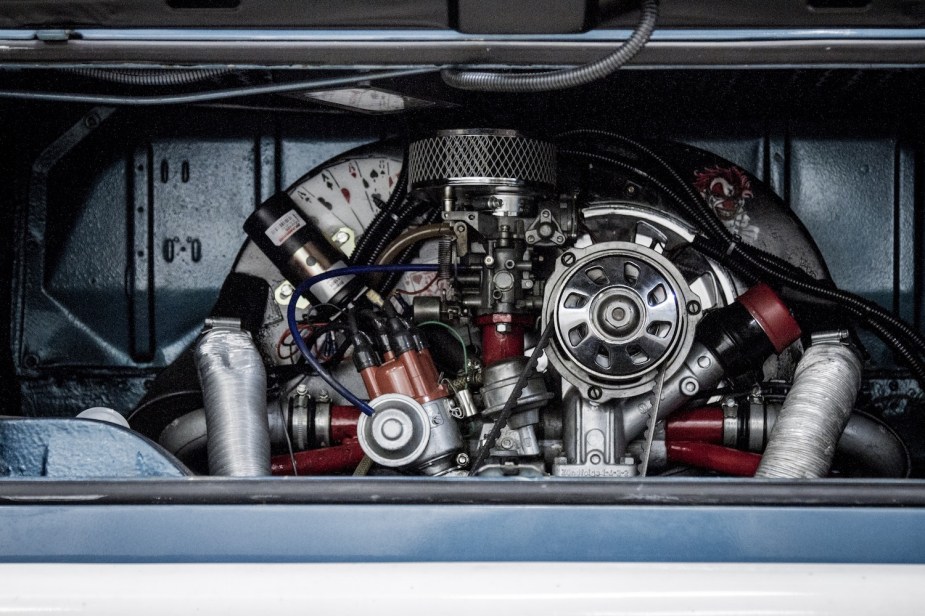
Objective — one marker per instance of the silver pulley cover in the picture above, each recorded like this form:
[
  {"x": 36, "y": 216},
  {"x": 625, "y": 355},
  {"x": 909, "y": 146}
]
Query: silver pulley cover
[{"x": 621, "y": 313}]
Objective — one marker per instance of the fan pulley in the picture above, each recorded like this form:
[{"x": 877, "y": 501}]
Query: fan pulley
[{"x": 621, "y": 313}]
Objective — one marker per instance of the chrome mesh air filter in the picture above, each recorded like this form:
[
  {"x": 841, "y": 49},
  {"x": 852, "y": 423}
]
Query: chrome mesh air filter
[{"x": 481, "y": 157}]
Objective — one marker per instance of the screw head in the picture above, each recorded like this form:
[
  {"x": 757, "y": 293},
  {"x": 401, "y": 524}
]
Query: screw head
[
  {"x": 568, "y": 259},
  {"x": 462, "y": 460},
  {"x": 507, "y": 443},
  {"x": 489, "y": 261},
  {"x": 595, "y": 392},
  {"x": 693, "y": 307}
]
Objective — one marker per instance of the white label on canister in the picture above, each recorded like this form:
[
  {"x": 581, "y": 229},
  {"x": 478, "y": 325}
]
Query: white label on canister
[
  {"x": 284, "y": 227},
  {"x": 327, "y": 289}
]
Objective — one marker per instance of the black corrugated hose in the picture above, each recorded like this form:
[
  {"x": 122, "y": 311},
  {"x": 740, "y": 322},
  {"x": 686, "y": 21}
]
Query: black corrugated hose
[
  {"x": 560, "y": 80},
  {"x": 373, "y": 241}
]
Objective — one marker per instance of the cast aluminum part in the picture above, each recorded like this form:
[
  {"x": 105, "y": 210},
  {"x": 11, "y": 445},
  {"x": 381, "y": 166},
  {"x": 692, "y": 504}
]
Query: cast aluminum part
[
  {"x": 700, "y": 371},
  {"x": 518, "y": 437},
  {"x": 499, "y": 380},
  {"x": 486, "y": 159},
  {"x": 402, "y": 433},
  {"x": 513, "y": 441},
  {"x": 234, "y": 391},
  {"x": 815, "y": 412},
  {"x": 593, "y": 440},
  {"x": 622, "y": 312}
]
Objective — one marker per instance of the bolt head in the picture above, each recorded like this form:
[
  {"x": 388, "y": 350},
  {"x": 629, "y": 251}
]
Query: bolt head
[
  {"x": 489, "y": 261},
  {"x": 507, "y": 443},
  {"x": 503, "y": 328},
  {"x": 690, "y": 386}
]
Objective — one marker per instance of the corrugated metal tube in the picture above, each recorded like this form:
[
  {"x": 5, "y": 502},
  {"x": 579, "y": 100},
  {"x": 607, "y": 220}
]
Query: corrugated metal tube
[
  {"x": 234, "y": 390},
  {"x": 815, "y": 412}
]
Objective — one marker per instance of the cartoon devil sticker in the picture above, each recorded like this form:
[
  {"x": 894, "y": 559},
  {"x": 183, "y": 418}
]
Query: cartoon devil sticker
[{"x": 726, "y": 189}]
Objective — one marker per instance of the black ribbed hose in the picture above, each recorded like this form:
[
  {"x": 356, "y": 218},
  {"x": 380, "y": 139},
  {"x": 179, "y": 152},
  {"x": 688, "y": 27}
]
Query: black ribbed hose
[{"x": 367, "y": 249}]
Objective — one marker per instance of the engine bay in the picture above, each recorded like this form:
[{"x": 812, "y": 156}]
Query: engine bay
[{"x": 452, "y": 291}]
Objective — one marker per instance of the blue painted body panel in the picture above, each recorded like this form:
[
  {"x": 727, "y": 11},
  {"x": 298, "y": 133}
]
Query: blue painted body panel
[{"x": 435, "y": 533}]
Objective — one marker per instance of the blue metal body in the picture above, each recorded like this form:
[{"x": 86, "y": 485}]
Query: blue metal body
[
  {"x": 80, "y": 449},
  {"x": 88, "y": 533}
]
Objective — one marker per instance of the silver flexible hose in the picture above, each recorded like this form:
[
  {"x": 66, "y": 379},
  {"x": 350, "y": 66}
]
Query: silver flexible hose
[
  {"x": 560, "y": 80},
  {"x": 815, "y": 412},
  {"x": 234, "y": 392}
]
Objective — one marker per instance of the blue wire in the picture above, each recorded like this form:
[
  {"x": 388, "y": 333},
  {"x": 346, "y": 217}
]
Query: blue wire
[{"x": 294, "y": 324}]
